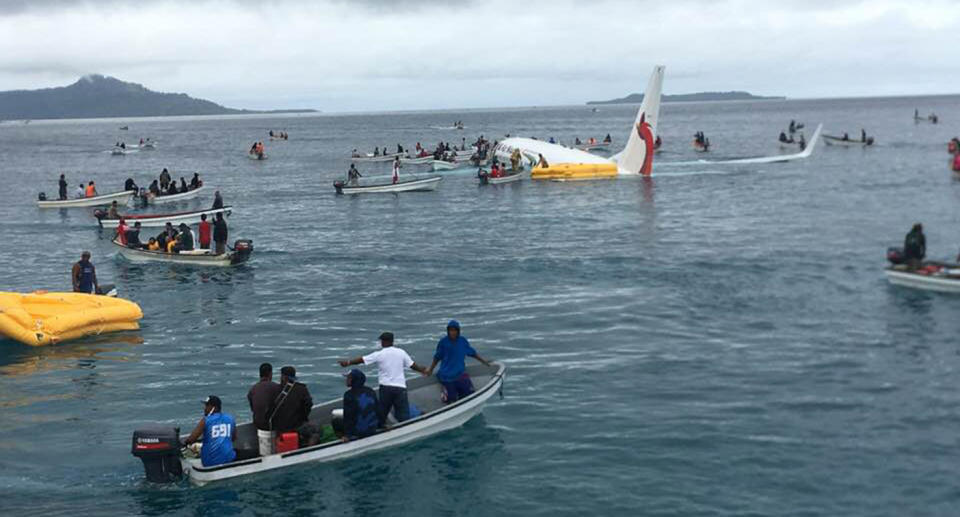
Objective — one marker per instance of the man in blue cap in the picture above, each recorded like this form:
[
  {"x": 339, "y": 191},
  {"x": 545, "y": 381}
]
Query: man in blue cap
[{"x": 451, "y": 354}]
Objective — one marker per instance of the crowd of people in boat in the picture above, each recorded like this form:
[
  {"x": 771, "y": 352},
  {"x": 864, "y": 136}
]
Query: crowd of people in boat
[
  {"x": 177, "y": 239},
  {"x": 800, "y": 141},
  {"x": 281, "y": 411},
  {"x": 257, "y": 150},
  {"x": 166, "y": 186},
  {"x": 279, "y": 135},
  {"x": 914, "y": 250},
  {"x": 701, "y": 141}
]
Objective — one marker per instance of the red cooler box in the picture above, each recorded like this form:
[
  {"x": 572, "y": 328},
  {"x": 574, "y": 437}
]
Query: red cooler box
[{"x": 287, "y": 442}]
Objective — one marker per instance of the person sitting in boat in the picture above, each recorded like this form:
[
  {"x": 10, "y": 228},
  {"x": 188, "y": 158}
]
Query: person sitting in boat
[
  {"x": 783, "y": 137},
  {"x": 172, "y": 189},
  {"x": 291, "y": 411},
  {"x": 183, "y": 185},
  {"x": 361, "y": 409},
  {"x": 62, "y": 187},
  {"x": 354, "y": 154},
  {"x": 399, "y": 149},
  {"x": 607, "y": 139},
  {"x": 956, "y": 162},
  {"x": 164, "y": 179},
  {"x": 154, "y": 188},
  {"x": 495, "y": 171},
  {"x": 130, "y": 185},
  {"x": 217, "y": 200},
  {"x": 153, "y": 245},
  {"x": 112, "y": 212},
  {"x": 452, "y": 351},
  {"x": 167, "y": 236},
  {"x": 195, "y": 182},
  {"x": 353, "y": 175},
  {"x": 184, "y": 239},
  {"x": 552, "y": 140},
  {"x": 216, "y": 431},
  {"x": 915, "y": 246},
  {"x": 803, "y": 142},
  {"x": 91, "y": 190},
  {"x": 84, "y": 275},
  {"x": 80, "y": 192},
  {"x": 123, "y": 145}
]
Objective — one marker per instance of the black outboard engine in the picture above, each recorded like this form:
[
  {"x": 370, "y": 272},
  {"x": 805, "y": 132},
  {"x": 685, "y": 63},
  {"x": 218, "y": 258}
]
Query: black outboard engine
[
  {"x": 158, "y": 446},
  {"x": 338, "y": 185},
  {"x": 242, "y": 249},
  {"x": 43, "y": 196},
  {"x": 896, "y": 256}
]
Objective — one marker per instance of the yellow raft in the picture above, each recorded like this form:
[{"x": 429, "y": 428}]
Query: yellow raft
[
  {"x": 575, "y": 172},
  {"x": 43, "y": 318}
]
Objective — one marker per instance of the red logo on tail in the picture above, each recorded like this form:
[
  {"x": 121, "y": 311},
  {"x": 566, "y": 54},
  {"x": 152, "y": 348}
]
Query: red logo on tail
[{"x": 645, "y": 132}]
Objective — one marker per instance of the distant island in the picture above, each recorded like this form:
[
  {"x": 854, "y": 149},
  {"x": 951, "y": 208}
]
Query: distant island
[
  {"x": 637, "y": 98},
  {"x": 97, "y": 96}
]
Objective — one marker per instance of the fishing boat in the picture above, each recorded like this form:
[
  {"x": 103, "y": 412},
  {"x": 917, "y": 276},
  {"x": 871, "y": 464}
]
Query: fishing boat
[
  {"x": 944, "y": 278},
  {"x": 242, "y": 249},
  {"x": 158, "y": 446},
  {"x": 160, "y": 220},
  {"x": 86, "y": 202},
  {"x": 421, "y": 184},
  {"x": 443, "y": 165},
  {"x": 840, "y": 141},
  {"x": 379, "y": 158},
  {"x": 174, "y": 198},
  {"x": 487, "y": 179}
]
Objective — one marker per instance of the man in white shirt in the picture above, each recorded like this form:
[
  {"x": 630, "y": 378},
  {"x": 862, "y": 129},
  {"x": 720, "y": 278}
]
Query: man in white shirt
[{"x": 391, "y": 363}]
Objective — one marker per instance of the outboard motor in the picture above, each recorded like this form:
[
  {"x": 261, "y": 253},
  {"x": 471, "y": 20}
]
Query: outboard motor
[
  {"x": 895, "y": 256},
  {"x": 158, "y": 446},
  {"x": 242, "y": 249},
  {"x": 43, "y": 196},
  {"x": 339, "y": 186}
]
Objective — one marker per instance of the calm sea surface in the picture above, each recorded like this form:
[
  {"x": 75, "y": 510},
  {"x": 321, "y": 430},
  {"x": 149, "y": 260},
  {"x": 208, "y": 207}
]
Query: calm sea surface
[{"x": 716, "y": 340}]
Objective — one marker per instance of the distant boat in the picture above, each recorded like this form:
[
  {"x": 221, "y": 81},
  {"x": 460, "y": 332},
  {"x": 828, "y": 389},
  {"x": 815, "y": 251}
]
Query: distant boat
[
  {"x": 422, "y": 184},
  {"x": 124, "y": 128}
]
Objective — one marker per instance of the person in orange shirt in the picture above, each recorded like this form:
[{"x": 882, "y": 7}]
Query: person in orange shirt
[{"x": 91, "y": 190}]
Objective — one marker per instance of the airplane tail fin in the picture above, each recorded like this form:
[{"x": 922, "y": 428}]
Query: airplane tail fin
[{"x": 637, "y": 155}]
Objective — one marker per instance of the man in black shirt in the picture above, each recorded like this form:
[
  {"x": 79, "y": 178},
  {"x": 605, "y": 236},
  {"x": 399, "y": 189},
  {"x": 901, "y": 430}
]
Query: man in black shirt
[
  {"x": 292, "y": 409},
  {"x": 261, "y": 397}
]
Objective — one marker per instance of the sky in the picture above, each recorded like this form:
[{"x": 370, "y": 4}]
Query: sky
[{"x": 369, "y": 55}]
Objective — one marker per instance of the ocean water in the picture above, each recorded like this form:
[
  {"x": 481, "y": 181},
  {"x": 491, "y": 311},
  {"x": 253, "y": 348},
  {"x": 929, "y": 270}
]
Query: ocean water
[{"x": 714, "y": 340}]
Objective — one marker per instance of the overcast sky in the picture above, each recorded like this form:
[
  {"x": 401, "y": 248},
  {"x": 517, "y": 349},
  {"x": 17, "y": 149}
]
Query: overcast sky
[{"x": 409, "y": 54}]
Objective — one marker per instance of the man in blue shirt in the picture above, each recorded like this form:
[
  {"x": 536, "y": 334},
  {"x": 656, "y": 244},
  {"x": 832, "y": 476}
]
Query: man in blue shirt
[
  {"x": 451, "y": 354},
  {"x": 218, "y": 430}
]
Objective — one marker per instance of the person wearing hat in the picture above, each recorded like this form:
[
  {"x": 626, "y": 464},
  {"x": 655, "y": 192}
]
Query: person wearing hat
[
  {"x": 451, "y": 354},
  {"x": 391, "y": 363},
  {"x": 217, "y": 430},
  {"x": 361, "y": 409},
  {"x": 85, "y": 275},
  {"x": 292, "y": 407}
]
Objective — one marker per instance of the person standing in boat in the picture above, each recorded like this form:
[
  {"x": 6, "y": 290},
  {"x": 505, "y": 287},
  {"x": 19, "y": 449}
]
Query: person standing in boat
[
  {"x": 220, "y": 234},
  {"x": 353, "y": 175},
  {"x": 63, "y": 187},
  {"x": 396, "y": 170},
  {"x": 217, "y": 200},
  {"x": 863, "y": 135},
  {"x": 204, "y": 232},
  {"x": 915, "y": 246},
  {"x": 391, "y": 363},
  {"x": 261, "y": 397},
  {"x": 85, "y": 275},
  {"x": 164, "y": 179},
  {"x": 361, "y": 409},
  {"x": 451, "y": 354}
]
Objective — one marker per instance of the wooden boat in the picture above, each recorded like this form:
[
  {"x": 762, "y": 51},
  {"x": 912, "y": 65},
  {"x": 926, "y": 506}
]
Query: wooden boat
[
  {"x": 86, "y": 202},
  {"x": 242, "y": 249},
  {"x": 421, "y": 184},
  {"x": 424, "y": 393},
  {"x": 161, "y": 220},
  {"x": 839, "y": 141},
  {"x": 174, "y": 198},
  {"x": 943, "y": 278}
]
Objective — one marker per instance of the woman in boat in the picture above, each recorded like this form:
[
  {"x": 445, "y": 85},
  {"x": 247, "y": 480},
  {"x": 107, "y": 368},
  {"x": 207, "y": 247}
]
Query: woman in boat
[{"x": 915, "y": 246}]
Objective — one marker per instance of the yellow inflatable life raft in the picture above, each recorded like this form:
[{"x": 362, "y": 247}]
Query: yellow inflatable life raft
[
  {"x": 575, "y": 171},
  {"x": 43, "y": 318}
]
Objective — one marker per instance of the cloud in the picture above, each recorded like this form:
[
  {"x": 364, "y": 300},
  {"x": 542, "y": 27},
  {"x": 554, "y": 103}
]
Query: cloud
[{"x": 377, "y": 54}]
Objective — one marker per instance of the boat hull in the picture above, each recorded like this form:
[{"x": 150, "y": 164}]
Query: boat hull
[
  {"x": 418, "y": 185},
  {"x": 86, "y": 202},
  {"x": 940, "y": 284},
  {"x": 840, "y": 142},
  {"x": 161, "y": 220},
  {"x": 174, "y": 198},
  {"x": 440, "y": 165},
  {"x": 421, "y": 391},
  {"x": 141, "y": 256}
]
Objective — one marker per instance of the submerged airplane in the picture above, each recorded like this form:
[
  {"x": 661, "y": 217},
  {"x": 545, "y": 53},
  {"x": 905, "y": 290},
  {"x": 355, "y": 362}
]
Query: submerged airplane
[{"x": 556, "y": 162}]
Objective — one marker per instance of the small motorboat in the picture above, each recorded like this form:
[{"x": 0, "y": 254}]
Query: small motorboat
[
  {"x": 86, "y": 202},
  {"x": 242, "y": 249},
  {"x": 379, "y": 158},
  {"x": 840, "y": 141},
  {"x": 174, "y": 198},
  {"x": 510, "y": 177},
  {"x": 443, "y": 165},
  {"x": 158, "y": 446},
  {"x": 943, "y": 278},
  {"x": 43, "y": 318},
  {"x": 161, "y": 220},
  {"x": 422, "y": 184}
]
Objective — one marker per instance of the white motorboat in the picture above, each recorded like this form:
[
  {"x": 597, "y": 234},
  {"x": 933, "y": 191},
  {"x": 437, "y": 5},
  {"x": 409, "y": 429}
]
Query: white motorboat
[
  {"x": 418, "y": 160},
  {"x": 846, "y": 142},
  {"x": 86, "y": 202},
  {"x": 174, "y": 198},
  {"x": 158, "y": 445},
  {"x": 443, "y": 165},
  {"x": 379, "y": 158},
  {"x": 421, "y": 184},
  {"x": 160, "y": 220},
  {"x": 242, "y": 249},
  {"x": 487, "y": 179},
  {"x": 943, "y": 278}
]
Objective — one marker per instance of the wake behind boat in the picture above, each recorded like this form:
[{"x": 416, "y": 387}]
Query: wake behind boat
[
  {"x": 421, "y": 184},
  {"x": 158, "y": 446},
  {"x": 160, "y": 220},
  {"x": 86, "y": 202}
]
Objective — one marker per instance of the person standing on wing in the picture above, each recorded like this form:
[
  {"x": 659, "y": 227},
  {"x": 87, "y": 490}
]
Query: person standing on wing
[
  {"x": 451, "y": 354},
  {"x": 391, "y": 362}
]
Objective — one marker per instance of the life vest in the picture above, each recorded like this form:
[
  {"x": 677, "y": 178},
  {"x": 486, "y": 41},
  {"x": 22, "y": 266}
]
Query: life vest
[{"x": 91, "y": 191}]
